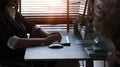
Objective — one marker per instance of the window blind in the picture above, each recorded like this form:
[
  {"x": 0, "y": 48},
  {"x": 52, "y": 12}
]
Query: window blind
[{"x": 51, "y": 7}]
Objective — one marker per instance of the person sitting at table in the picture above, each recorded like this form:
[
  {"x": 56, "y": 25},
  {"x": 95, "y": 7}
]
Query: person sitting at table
[
  {"x": 107, "y": 27},
  {"x": 13, "y": 33}
]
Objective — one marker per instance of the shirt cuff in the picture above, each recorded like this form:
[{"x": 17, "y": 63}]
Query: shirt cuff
[{"x": 12, "y": 42}]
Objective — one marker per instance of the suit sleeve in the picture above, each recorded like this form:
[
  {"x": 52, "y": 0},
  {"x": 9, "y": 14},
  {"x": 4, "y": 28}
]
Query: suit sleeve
[{"x": 28, "y": 25}]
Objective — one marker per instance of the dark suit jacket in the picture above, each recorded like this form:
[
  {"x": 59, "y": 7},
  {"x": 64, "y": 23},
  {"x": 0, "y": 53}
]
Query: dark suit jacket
[{"x": 9, "y": 27}]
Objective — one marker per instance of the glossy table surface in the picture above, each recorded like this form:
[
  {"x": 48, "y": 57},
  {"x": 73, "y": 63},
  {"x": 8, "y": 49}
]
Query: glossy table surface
[{"x": 72, "y": 52}]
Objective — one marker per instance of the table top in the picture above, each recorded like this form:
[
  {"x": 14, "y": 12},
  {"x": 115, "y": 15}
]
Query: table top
[{"x": 72, "y": 52}]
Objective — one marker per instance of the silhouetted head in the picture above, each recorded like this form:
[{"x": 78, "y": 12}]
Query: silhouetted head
[{"x": 5, "y": 3}]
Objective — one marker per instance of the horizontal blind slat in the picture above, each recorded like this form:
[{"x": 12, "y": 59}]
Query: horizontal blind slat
[{"x": 42, "y": 6}]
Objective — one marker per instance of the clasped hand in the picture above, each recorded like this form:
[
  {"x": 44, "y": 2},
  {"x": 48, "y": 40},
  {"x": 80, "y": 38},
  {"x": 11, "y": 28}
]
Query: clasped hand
[{"x": 56, "y": 36}]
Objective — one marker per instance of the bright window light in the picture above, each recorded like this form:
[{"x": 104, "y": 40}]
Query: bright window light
[{"x": 50, "y": 7}]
